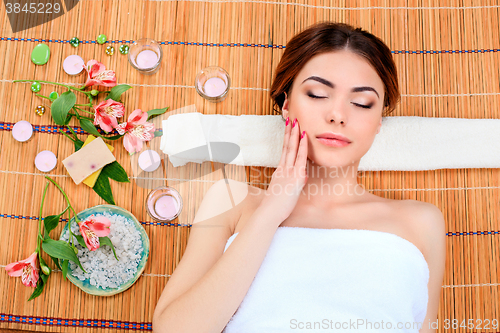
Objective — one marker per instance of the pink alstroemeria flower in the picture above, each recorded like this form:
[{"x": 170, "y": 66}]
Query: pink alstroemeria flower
[
  {"x": 26, "y": 268},
  {"x": 97, "y": 74},
  {"x": 136, "y": 130},
  {"x": 106, "y": 113},
  {"x": 93, "y": 228}
]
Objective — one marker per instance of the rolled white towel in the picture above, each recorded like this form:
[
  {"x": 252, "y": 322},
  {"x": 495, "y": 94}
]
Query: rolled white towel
[{"x": 403, "y": 143}]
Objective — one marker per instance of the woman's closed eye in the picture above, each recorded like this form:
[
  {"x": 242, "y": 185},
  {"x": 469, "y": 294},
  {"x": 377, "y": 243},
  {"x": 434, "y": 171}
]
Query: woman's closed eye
[
  {"x": 363, "y": 106},
  {"x": 314, "y": 96}
]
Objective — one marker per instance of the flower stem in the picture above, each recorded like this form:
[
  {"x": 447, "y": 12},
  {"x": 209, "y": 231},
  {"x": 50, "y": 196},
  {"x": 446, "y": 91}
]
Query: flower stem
[
  {"x": 65, "y": 196},
  {"x": 66, "y": 135},
  {"x": 55, "y": 83},
  {"x": 92, "y": 113},
  {"x": 43, "y": 96},
  {"x": 83, "y": 104},
  {"x": 40, "y": 219}
]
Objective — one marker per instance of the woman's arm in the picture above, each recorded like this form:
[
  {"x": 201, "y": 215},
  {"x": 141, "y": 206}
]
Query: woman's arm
[
  {"x": 208, "y": 285},
  {"x": 434, "y": 226}
]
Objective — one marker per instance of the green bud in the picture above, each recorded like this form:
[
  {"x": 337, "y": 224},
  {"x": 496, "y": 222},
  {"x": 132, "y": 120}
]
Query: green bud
[
  {"x": 45, "y": 269},
  {"x": 75, "y": 249},
  {"x": 94, "y": 92}
]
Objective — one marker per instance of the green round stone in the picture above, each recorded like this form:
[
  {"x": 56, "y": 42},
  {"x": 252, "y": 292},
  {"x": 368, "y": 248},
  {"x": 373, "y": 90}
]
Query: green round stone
[
  {"x": 40, "y": 54},
  {"x": 53, "y": 95},
  {"x": 101, "y": 39},
  {"x": 74, "y": 42},
  {"x": 36, "y": 86},
  {"x": 124, "y": 49}
]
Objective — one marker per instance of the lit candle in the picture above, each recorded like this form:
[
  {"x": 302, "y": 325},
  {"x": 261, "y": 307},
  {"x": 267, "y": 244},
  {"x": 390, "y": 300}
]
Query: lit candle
[
  {"x": 73, "y": 64},
  {"x": 45, "y": 161},
  {"x": 149, "y": 160},
  {"x": 166, "y": 206},
  {"x": 214, "y": 87},
  {"x": 22, "y": 131},
  {"x": 146, "y": 59}
]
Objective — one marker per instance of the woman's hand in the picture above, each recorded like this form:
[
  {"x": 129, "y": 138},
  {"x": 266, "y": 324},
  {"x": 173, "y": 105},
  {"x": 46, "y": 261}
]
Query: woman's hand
[{"x": 291, "y": 175}]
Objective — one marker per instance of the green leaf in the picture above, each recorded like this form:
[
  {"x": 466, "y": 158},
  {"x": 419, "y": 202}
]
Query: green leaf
[
  {"x": 56, "y": 261},
  {"x": 65, "y": 268},
  {"x": 60, "y": 249},
  {"x": 116, "y": 92},
  {"x": 116, "y": 172},
  {"x": 158, "y": 133},
  {"x": 68, "y": 119},
  {"x": 78, "y": 144},
  {"x": 42, "y": 281},
  {"x": 103, "y": 189},
  {"x": 107, "y": 241},
  {"x": 114, "y": 137},
  {"x": 61, "y": 106},
  {"x": 89, "y": 127},
  {"x": 51, "y": 222},
  {"x": 156, "y": 112},
  {"x": 80, "y": 240}
]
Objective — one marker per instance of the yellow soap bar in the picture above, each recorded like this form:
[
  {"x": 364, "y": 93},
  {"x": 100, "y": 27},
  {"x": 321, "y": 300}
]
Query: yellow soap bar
[
  {"x": 90, "y": 180},
  {"x": 88, "y": 160}
]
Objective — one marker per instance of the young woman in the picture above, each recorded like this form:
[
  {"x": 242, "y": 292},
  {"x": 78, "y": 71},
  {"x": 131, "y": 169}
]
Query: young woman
[{"x": 314, "y": 250}]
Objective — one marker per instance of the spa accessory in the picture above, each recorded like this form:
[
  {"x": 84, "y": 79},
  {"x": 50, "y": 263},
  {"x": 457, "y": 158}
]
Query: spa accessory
[
  {"x": 22, "y": 131},
  {"x": 45, "y": 161},
  {"x": 73, "y": 64},
  {"x": 164, "y": 204},
  {"x": 149, "y": 160},
  {"x": 145, "y": 55},
  {"x": 404, "y": 143},
  {"x": 334, "y": 274},
  {"x": 212, "y": 83}
]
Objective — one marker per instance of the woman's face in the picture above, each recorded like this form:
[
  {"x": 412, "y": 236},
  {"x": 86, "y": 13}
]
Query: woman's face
[{"x": 342, "y": 86}]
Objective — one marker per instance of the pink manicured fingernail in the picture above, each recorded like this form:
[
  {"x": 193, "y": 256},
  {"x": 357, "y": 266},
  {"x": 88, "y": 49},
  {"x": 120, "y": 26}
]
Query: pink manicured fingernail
[
  {"x": 294, "y": 122},
  {"x": 286, "y": 124},
  {"x": 303, "y": 132}
]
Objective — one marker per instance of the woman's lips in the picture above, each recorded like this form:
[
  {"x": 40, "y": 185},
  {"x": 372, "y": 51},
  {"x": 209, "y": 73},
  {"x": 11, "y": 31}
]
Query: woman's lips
[{"x": 333, "y": 142}]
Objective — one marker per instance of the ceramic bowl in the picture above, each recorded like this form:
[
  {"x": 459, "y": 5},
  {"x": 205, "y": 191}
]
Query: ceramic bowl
[{"x": 85, "y": 285}]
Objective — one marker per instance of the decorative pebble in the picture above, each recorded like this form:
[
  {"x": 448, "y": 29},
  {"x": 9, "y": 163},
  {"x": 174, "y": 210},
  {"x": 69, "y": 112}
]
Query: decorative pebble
[
  {"x": 36, "y": 86},
  {"x": 40, "y": 54},
  {"x": 53, "y": 96},
  {"x": 74, "y": 42},
  {"x": 101, "y": 39},
  {"x": 124, "y": 49},
  {"x": 110, "y": 50},
  {"x": 40, "y": 110}
]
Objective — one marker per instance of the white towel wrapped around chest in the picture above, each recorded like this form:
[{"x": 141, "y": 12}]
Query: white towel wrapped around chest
[
  {"x": 351, "y": 277},
  {"x": 404, "y": 143}
]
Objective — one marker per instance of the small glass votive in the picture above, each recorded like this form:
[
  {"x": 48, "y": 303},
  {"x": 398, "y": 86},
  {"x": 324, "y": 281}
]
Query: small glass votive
[
  {"x": 145, "y": 55},
  {"x": 164, "y": 204},
  {"x": 212, "y": 83}
]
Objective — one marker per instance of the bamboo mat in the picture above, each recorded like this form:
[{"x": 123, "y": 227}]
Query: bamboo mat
[{"x": 448, "y": 60}]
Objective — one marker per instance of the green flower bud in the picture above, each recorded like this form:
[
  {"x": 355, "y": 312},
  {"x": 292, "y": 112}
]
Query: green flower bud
[
  {"x": 75, "y": 249},
  {"x": 45, "y": 269},
  {"x": 94, "y": 92}
]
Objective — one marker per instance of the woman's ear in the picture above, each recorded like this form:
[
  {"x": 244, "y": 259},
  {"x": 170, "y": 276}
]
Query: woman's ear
[
  {"x": 379, "y": 125},
  {"x": 284, "y": 108}
]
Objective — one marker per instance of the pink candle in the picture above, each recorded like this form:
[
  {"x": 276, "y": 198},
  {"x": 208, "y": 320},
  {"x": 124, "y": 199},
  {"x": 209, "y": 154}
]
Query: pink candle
[
  {"x": 45, "y": 161},
  {"x": 146, "y": 59},
  {"x": 166, "y": 206},
  {"x": 22, "y": 131},
  {"x": 214, "y": 86},
  {"x": 73, "y": 64}
]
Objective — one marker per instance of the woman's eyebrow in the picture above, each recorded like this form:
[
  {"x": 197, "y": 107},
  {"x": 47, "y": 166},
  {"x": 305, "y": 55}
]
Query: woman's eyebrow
[{"x": 331, "y": 85}]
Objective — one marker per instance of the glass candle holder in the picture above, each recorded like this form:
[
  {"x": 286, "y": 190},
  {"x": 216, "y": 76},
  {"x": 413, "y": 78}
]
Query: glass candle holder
[
  {"x": 164, "y": 204},
  {"x": 212, "y": 83},
  {"x": 145, "y": 55}
]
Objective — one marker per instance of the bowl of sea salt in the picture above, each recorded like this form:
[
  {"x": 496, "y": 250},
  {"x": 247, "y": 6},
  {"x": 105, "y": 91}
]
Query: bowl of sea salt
[{"x": 106, "y": 276}]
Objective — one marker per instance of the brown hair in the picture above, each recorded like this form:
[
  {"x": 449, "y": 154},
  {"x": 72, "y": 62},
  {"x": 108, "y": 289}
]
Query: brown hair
[{"x": 331, "y": 36}]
